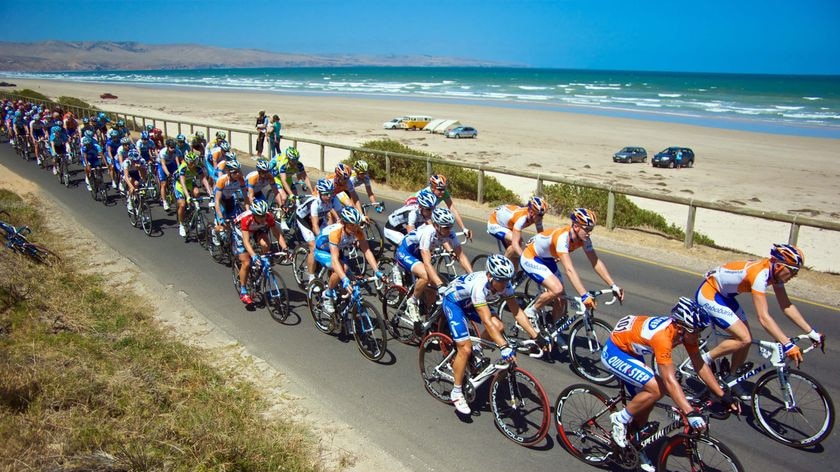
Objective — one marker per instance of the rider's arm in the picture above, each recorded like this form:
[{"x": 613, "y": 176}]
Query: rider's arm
[
  {"x": 369, "y": 257},
  {"x": 369, "y": 190},
  {"x": 337, "y": 265},
  {"x": 767, "y": 321},
  {"x": 667, "y": 372},
  {"x": 305, "y": 178},
  {"x": 451, "y": 205},
  {"x": 789, "y": 309},
  {"x": 520, "y": 317},
  {"x": 462, "y": 259},
  {"x": 571, "y": 273},
  {"x": 490, "y": 327},
  {"x": 601, "y": 270},
  {"x": 183, "y": 180},
  {"x": 516, "y": 241},
  {"x": 431, "y": 273}
]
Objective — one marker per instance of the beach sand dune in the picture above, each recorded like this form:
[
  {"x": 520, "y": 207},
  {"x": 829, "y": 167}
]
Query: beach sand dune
[{"x": 777, "y": 173}]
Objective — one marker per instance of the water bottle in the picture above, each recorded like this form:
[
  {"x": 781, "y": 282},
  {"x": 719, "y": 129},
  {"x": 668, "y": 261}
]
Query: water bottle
[{"x": 396, "y": 275}]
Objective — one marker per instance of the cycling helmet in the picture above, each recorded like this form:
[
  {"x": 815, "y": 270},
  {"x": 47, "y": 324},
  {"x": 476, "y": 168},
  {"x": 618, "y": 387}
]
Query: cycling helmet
[
  {"x": 133, "y": 153},
  {"x": 190, "y": 157},
  {"x": 36, "y": 116},
  {"x": 538, "y": 205},
  {"x": 88, "y": 134},
  {"x": 262, "y": 165},
  {"x": 120, "y": 122},
  {"x": 259, "y": 208},
  {"x": 55, "y": 129},
  {"x": 292, "y": 153},
  {"x": 221, "y": 135},
  {"x": 181, "y": 138},
  {"x": 690, "y": 315},
  {"x": 361, "y": 166},
  {"x": 170, "y": 142},
  {"x": 788, "y": 255},
  {"x": 325, "y": 186},
  {"x": 125, "y": 140},
  {"x": 113, "y": 133},
  {"x": 149, "y": 128},
  {"x": 144, "y": 135},
  {"x": 351, "y": 215},
  {"x": 500, "y": 267},
  {"x": 342, "y": 170},
  {"x": 426, "y": 199},
  {"x": 233, "y": 165},
  {"x": 85, "y": 120},
  {"x": 443, "y": 217},
  {"x": 199, "y": 134},
  {"x": 86, "y": 141},
  {"x": 583, "y": 217},
  {"x": 438, "y": 181},
  {"x": 17, "y": 113},
  {"x": 102, "y": 114},
  {"x": 224, "y": 146}
]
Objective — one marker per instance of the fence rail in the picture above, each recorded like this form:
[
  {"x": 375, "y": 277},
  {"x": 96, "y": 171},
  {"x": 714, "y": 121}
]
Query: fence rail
[{"x": 795, "y": 221}]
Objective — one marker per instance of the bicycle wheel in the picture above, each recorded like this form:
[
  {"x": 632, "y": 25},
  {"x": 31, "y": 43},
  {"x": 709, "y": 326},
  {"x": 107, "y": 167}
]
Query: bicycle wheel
[
  {"x": 40, "y": 254},
  {"x": 520, "y": 406},
  {"x": 133, "y": 212},
  {"x": 299, "y": 265},
  {"x": 512, "y": 328},
  {"x": 202, "y": 233},
  {"x": 806, "y": 422},
  {"x": 146, "y": 218},
  {"x": 688, "y": 453},
  {"x": 447, "y": 268},
  {"x": 369, "y": 331},
  {"x": 355, "y": 260},
  {"x": 60, "y": 172},
  {"x": 234, "y": 268},
  {"x": 276, "y": 296},
  {"x": 585, "y": 343},
  {"x": 94, "y": 186},
  {"x": 479, "y": 263},
  {"x": 436, "y": 354},
  {"x": 393, "y": 305},
  {"x": 373, "y": 234},
  {"x": 323, "y": 321},
  {"x": 577, "y": 413},
  {"x": 153, "y": 184}
]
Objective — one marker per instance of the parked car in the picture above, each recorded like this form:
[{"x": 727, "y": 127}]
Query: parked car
[
  {"x": 462, "y": 132},
  {"x": 631, "y": 154},
  {"x": 669, "y": 157},
  {"x": 396, "y": 123}
]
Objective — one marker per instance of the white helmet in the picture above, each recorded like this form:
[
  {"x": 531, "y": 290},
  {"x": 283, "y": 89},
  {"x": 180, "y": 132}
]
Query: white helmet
[
  {"x": 500, "y": 267},
  {"x": 443, "y": 217}
]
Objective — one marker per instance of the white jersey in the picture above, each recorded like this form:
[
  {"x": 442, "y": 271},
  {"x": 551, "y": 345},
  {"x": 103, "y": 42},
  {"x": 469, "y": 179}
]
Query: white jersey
[
  {"x": 426, "y": 237},
  {"x": 311, "y": 206},
  {"x": 473, "y": 290},
  {"x": 406, "y": 215}
]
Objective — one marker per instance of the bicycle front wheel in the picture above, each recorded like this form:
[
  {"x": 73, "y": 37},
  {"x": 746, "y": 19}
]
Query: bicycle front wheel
[
  {"x": 369, "y": 331},
  {"x": 512, "y": 327},
  {"x": 393, "y": 306},
  {"x": 146, "y": 218},
  {"x": 585, "y": 343},
  {"x": 436, "y": 354},
  {"x": 520, "y": 406},
  {"x": 690, "y": 454},
  {"x": 577, "y": 413},
  {"x": 276, "y": 296},
  {"x": 299, "y": 265},
  {"x": 41, "y": 254},
  {"x": 798, "y": 413},
  {"x": 447, "y": 268},
  {"x": 315, "y": 296},
  {"x": 373, "y": 234},
  {"x": 202, "y": 233}
]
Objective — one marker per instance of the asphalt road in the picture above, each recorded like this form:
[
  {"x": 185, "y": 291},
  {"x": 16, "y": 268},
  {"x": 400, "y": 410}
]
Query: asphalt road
[{"x": 387, "y": 401}]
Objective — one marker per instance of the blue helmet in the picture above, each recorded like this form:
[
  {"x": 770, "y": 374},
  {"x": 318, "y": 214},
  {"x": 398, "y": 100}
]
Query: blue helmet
[
  {"x": 55, "y": 129},
  {"x": 426, "y": 199},
  {"x": 144, "y": 135}
]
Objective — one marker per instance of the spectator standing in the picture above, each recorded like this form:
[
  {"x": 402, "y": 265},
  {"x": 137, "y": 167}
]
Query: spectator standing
[
  {"x": 274, "y": 136},
  {"x": 262, "y": 125}
]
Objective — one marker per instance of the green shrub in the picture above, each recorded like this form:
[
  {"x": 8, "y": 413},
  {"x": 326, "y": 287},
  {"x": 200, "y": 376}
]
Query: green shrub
[
  {"x": 75, "y": 102},
  {"x": 28, "y": 93},
  {"x": 411, "y": 175}
]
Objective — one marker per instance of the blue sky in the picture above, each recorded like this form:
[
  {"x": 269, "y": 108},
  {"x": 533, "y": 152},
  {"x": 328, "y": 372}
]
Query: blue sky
[{"x": 750, "y": 36}]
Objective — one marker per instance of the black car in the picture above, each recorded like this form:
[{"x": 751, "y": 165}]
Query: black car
[
  {"x": 631, "y": 154},
  {"x": 674, "y": 157}
]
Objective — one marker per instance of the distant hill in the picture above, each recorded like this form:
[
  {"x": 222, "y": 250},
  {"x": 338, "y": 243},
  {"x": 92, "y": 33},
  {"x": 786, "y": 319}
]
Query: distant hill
[{"x": 108, "y": 55}]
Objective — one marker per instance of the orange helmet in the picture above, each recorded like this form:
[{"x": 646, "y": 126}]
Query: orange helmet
[
  {"x": 583, "y": 217},
  {"x": 438, "y": 181},
  {"x": 788, "y": 255},
  {"x": 343, "y": 170},
  {"x": 538, "y": 205}
]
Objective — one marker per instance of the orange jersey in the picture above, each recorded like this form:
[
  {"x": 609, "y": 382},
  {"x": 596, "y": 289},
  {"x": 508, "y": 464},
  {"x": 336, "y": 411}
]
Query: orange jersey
[
  {"x": 346, "y": 186},
  {"x": 511, "y": 217},
  {"x": 641, "y": 335},
  {"x": 740, "y": 277},
  {"x": 550, "y": 243}
]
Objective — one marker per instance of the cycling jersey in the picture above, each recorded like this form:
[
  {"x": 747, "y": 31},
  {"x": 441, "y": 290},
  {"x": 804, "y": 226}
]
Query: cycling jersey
[
  {"x": 358, "y": 182},
  {"x": 345, "y": 186},
  {"x": 247, "y": 222},
  {"x": 423, "y": 238},
  {"x": 551, "y": 243},
  {"x": 463, "y": 295},
  {"x": 257, "y": 183},
  {"x": 334, "y": 235},
  {"x": 407, "y": 215},
  {"x": 133, "y": 166},
  {"x": 190, "y": 175},
  {"x": 722, "y": 284},
  {"x": 228, "y": 186},
  {"x": 38, "y": 128},
  {"x": 413, "y": 199},
  {"x": 311, "y": 205},
  {"x": 170, "y": 160},
  {"x": 506, "y": 218},
  {"x": 90, "y": 155},
  {"x": 146, "y": 148}
]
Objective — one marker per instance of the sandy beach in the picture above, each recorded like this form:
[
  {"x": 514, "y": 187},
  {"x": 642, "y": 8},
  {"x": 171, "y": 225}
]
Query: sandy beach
[{"x": 778, "y": 173}]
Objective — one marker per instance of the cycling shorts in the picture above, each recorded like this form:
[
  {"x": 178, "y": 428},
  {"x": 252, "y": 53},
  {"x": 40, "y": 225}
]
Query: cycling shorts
[
  {"x": 135, "y": 175},
  {"x": 179, "y": 195},
  {"x": 239, "y": 245},
  {"x": 227, "y": 208},
  {"x": 539, "y": 269},
  {"x": 498, "y": 231},
  {"x": 724, "y": 310},
  {"x": 456, "y": 317},
  {"x": 93, "y": 162},
  {"x": 405, "y": 258},
  {"x": 324, "y": 258},
  {"x": 305, "y": 231},
  {"x": 38, "y": 133},
  {"x": 58, "y": 148},
  {"x": 631, "y": 369},
  {"x": 170, "y": 166}
]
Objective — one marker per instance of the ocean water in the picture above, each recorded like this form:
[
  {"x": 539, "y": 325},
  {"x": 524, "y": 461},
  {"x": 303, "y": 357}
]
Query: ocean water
[{"x": 799, "y": 105}]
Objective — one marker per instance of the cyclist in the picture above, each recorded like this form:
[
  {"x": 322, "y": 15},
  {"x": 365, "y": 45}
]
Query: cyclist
[
  {"x": 362, "y": 177},
  {"x": 469, "y": 296},
  {"x": 217, "y": 141},
  {"x": 328, "y": 245},
  {"x": 168, "y": 161},
  {"x": 227, "y": 191},
  {"x": 287, "y": 172},
  {"x": 414, "y": 254},
  {"x": 181, "y": 145},
  {"x": 344, "y": 188},
  {"x": 507, "y": 222},
  {"x": 115, "y": 163},
  {"x": 185, "y": 176},
  {"x": 198, "y": 143},
  {"x": 312, "y": 214},
  {"x": 100, "y": 125},
  {"x": 258, "y": 180},
  {"x": 722, "y": 284},
  {"x": 112, "y": 143},
  {"x": 254, "y": 222},
  {"x": 623, "y": 354},
  {"x": 157, "y": 137},
  {"x": 409, "y": 217},
  {"x": 37, "y": 133},
  {"x": 539, "y": 261},
  {"x": 215, "y": 155},
  {"x": 58, "y": 145},
  {"x": 122, "y": 128},
  {"x": 146, "y": 147},
  {"x": 91, "y": 153},
  {"x": 134, "y": 174},
  {"x": 71, "y": 125},
  {"x": 437, "y": 185},
  {"x": 87, "y": 126},
  {"x": 221, "y": 163}
]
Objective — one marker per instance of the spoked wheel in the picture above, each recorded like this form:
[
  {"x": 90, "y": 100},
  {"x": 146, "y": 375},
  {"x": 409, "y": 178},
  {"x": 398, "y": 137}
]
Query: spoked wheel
[
  {"x": 133, "y": 212},
  {"x": 583, "y": 424},
  {"x": 299, "y": 265},
  {"x": 520, "y": 406},
  {"x": 447, "y": 268},
  {"x": 355, "y": 259},
  {"x": 688, "y": 453},
  {"x": 369, "y": 331},
  {"x": 202, "y": 232},
  {"x": 146, "y": 218},
  {"x": 219, "y": 252},
  {"x": 41, "y": 254},
  {"x": 799, "y": 414},
  {"x": 585, "y": 343},
  {"x": 153, "y": 184},
  {"x": 373, "y": 234},
  {"x": 235, "y": 264},
  {"x": 512, "y": 328},
  {"x": 393, "y": 304},
  {"x": 276, "y": 296},
  {"x": 94, "y": 186},
  {"x": 436, "y": 354},
  {"x": 315, "y": 295}
]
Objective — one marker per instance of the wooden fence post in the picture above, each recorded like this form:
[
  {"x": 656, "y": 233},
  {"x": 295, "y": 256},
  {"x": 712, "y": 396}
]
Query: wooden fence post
[
  {"x": 480, "y": 189},
  {"x": 610, "y": 209},
  {"x": 689, "y": 225}
]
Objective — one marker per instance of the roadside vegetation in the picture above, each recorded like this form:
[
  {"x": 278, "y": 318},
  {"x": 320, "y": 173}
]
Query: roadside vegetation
[
  {"x": 29, "y": 93},
  {"x": 91, "y": 382}
]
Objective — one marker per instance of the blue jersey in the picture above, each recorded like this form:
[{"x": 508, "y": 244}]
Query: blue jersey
[
  {"x": 473, "y": 290},
  {"x": 92, "y": 151},
  {"x": 59, "y": 138}
]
